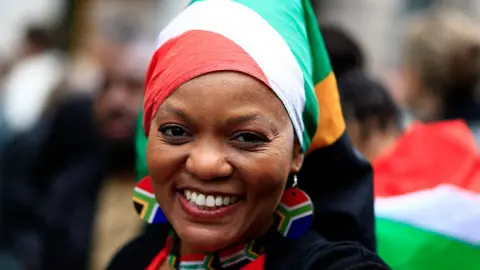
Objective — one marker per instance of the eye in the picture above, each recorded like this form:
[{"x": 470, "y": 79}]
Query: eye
[
  {"x": 175, "y": 134},
  {"x": 173, "y": 131},
  {"x": 249, "y": 139}
]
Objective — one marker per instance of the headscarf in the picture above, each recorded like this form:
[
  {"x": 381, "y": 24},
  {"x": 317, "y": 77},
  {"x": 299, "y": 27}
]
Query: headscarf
[
  {"x": 272, "y": 45},
  {"x": 278, "y": 43}
]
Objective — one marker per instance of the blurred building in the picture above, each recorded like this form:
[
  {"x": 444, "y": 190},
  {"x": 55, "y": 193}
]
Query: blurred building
[
  {"x": 16, "y": 15},
  {"x": 379, "y": 24}
]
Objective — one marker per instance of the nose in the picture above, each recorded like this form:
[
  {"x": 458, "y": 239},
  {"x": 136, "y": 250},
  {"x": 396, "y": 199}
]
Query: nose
[
  {"x": 117, "y": 95},
  {"x": 207, "y": 162}
]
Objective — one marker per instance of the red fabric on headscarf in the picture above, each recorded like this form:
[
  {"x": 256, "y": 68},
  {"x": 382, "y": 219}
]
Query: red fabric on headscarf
[{"x": 187, "y": 56}]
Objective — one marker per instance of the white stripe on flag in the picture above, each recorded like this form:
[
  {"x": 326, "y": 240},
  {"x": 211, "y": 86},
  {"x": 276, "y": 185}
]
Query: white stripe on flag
[{"x": 446, "y": 209}]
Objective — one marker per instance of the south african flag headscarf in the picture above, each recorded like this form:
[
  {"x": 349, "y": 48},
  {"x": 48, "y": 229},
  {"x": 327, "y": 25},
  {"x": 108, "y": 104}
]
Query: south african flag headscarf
[{"x": 278, "y": 43}]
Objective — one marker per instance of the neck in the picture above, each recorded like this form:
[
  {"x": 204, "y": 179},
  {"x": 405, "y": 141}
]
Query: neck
[
  {"x": 189, "y": 249},
  {"x": 379, "y": 143}
]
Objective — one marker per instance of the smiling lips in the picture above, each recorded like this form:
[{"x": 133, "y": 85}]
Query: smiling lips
[
  {"x": 210, "y": 208},
  {"x": 208, "y": 202}
]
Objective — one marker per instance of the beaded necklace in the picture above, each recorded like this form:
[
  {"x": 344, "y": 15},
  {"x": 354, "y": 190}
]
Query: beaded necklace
[{"x": 234, "y": 257}]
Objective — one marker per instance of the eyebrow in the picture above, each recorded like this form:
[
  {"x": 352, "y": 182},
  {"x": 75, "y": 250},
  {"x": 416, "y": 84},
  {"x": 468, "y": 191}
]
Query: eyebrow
[
  {"x": 252, "y": 117},
  {"x": 235, "y": 120},
  {"x": 166, "y": 108},
  {"x": 244, "y": 119}
]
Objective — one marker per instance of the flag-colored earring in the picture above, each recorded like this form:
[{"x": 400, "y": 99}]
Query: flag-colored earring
[
  {"x": 145, "y": 203},
  {"x": 294, "y": 213}
]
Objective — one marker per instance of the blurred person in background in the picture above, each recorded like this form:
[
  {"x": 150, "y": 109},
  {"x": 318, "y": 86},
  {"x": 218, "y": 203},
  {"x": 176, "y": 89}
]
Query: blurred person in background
[
  {"x": 69, "y": 180},
  {"x": 372, "y": 116},
  {"x": 24, "y": 100},
  {"x": 427, "y": 185},
  {"x": 344, "y": 50},
  {"x": 442, "y": 68},
  {"x": 98, "y": 48},
  {"x": 116, "y": 110}
]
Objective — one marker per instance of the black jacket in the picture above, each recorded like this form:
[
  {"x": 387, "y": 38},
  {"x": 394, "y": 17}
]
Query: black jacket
[
  {"x": 50, "y": 180},
  {"x": 307, "y": 253}
]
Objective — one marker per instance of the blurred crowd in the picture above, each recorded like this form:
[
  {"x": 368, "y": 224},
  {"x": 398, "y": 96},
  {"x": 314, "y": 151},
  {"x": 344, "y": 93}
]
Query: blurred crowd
[
  {"x": 67, "y": 126},
  {"x": 67, "y": 121}
]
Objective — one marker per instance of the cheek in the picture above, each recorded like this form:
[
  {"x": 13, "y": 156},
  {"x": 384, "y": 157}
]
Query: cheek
[
  {"x": 135, "y": 99},
  {"x": 157, "y": 161},
  {"x": 264, "y": 192},
  {"x": 99, "y": 106},
  {"x": 411, "y": 89},
  {"x": 162, "y": 165},
  {"x": 353, "y": 133},
  {"x": 161, "y": 159},
  {"x": 265, "y": 177}
]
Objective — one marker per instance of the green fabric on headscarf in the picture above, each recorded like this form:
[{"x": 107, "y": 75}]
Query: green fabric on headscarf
[{"x": 140, "y": 145}]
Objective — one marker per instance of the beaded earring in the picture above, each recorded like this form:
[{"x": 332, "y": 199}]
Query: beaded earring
[
  {"x": 145, "y": 203},
  {"x": 294, "y": 213}
]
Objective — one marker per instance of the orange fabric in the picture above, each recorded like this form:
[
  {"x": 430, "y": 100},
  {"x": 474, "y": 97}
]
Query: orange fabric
[
  {"x": 331, "y": 124},
  {"x": 190, "y": 55},
  {"x": 162, "y": 256},
  {"x": 426, "y": 156}
]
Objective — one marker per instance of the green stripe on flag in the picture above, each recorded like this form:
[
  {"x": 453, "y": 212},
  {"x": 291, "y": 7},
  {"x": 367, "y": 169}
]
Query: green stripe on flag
[
  {"x": 405, "y": 247},
  {"x": 149, "y": 200},
  {"x": 292, "y": 213}
]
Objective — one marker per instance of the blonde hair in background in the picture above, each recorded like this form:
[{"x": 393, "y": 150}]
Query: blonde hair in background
[{"x": 443, "y": 47}]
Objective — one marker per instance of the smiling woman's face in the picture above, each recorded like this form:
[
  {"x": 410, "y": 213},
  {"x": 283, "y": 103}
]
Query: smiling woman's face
[{"x": 219, "y": 153}]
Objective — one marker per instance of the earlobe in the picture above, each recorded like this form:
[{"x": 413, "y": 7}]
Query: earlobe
[{"x": 297, "y": 159}]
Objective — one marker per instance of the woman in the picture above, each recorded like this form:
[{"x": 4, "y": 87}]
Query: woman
[
  {"x": 343, "y": 49},
  {"x": 231, "y": 112}
]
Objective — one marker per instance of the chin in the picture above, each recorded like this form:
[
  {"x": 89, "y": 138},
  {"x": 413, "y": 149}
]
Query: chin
[{"x": 206, "y": 239}]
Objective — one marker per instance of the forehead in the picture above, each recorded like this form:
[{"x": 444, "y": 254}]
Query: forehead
[
  {"x": 228, "y": 92},
  {"x": 126, "y": 64}
]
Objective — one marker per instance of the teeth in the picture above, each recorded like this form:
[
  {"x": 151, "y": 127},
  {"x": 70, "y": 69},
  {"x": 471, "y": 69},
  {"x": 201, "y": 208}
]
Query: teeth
[
  {"x": 219, "y": 201},
  {"x": 200, "y": 200},
  {"x": 209, "y": 201},
  {"x": 226, "y": 200}
]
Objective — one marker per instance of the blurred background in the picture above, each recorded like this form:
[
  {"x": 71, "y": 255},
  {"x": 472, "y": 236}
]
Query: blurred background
[{"x": 71, "y": 83}]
